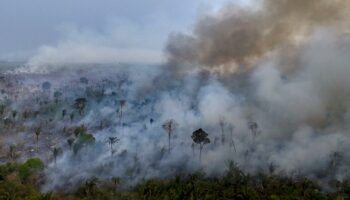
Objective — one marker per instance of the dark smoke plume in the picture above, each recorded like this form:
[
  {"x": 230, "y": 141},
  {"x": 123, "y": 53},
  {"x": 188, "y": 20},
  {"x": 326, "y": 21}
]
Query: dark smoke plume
[{"x": 235, "y": 38}]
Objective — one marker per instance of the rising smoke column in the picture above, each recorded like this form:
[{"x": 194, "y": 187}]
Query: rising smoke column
[{"x": 236, "y": 38}]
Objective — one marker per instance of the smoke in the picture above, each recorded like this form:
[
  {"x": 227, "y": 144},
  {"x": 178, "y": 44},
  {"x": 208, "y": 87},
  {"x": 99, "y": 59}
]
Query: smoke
[
  {"x": 118, "y": 43},
  {"x": 234, "y": 39},
  {"x": 294, "y": 55}
]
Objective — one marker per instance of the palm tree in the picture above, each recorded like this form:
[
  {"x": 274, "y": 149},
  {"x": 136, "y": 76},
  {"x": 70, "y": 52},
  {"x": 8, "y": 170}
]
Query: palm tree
[
  {"x": 71, "y": 116},
  {"x": 200, "y": 137},
  {"x": 37, "y": 133},
  {"x": 70, "y": 142},
  {"x": 14, "y": 114},
  {"x": 121, "y": 106},
  {"x": 111, "y": 141},
  {"x": 64, "y": 112},
  {"x": 222, "y": 126},
  {"x": 55, "y": 152},
  {"x": 232, "y": 142},
  {"x": 169, "y": 126},
  {"x": 2, "y": 109}
]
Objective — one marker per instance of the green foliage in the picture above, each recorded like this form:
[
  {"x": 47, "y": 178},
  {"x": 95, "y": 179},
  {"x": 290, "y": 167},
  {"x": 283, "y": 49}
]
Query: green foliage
[
  {"x": 83, "y": 139},
  {"x": 80, "y": 104},
  {"x": 200, "y": 137},
  {"x": 79, "y": 130},
  {"x": 7, "y": 169},
  {"x": 84, "y": 80},
  {"x": 29, "y": 167},
  {"x": 234, "y": 184},
  {"x": 14, "y": 184},
  {"x": 86, "y": 138}
]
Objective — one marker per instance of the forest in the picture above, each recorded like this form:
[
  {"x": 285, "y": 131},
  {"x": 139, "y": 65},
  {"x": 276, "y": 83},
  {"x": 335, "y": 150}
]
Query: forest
[
  {"x": 104, "y": 137},
  {"x": 253, "y": 102}
]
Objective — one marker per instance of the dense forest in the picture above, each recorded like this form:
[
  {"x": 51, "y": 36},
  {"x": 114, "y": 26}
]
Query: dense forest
[
  {"x": 70, "y": 134},
  {"x": 22, "y": 180}
]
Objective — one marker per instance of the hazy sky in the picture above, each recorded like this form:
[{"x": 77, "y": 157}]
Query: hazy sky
[{"x": 29, "y": 27}]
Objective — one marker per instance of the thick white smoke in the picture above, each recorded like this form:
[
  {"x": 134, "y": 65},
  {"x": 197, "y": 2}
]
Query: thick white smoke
[{"x": 299, "y": 101}]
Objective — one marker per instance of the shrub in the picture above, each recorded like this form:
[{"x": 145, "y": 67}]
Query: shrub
[{"x": 29, "y": 167}]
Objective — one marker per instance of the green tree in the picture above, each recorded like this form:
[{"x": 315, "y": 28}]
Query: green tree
[
  {"x": 29, "y": 167},
  {"x": 90, "y": 186},
  {"x": 37, "y": 133},
  {"x": 200, "y": 137},
  {"x": 80, "y": 104}
]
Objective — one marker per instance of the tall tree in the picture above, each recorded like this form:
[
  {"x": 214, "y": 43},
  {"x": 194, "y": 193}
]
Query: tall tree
[
  {"x": 121, "y": 106},
  {"x": 71, "y": 116},
  {"x": 46, "y": 86},
  {"x": 90, "y": 186},
  {"x": 192, "y": 147},
  {"x": 55, "y": 152},
  {"x": 12, "y": 152},
  {"x": 254, "y": 128},
  {"x": 111, "y": 142},
  {"x": 336, "y": 158},
  {"x": 80, "y": 104},
  {"x": 14, "y": 114},
  {"x": 37, "y": 133},
  {"x": 232, "y": 142},
  {"x": 200, "y": 137},
  {"x": 222, "y": 124},
  {"x": 2, "y": 109},
  {"x": 70, "y": 142},
  {"x": 116, "y": 182},
  {"x": 64, "y": 112},
  {"x": 169, "y": 126},
  {"x": 57, "y": 95}
]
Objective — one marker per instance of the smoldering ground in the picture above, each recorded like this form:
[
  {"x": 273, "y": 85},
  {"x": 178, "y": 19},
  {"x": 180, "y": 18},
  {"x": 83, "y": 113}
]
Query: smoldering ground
[{"x": 285, "y": 67}]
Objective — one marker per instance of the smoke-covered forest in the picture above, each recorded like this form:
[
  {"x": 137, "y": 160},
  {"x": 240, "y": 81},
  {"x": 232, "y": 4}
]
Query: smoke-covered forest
[{"x": 252, "y": 104}]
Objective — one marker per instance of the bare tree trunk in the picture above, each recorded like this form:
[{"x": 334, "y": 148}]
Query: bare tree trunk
[
  {"x": 121, "y": 115},
  {"x": 169, "y": 135},
  {"x": 234, "y": 146},
  {"x": 37, "y": 144},
  {"x": 222, "y": 135},
  {"x": 232, "y": 141},
  {"x": 111, "y": 149},
  {"x": 200, "y": 152},
  {"x": 192, "y": 147}
]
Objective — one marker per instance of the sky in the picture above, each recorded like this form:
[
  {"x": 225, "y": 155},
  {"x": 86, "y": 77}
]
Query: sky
[{"x": 38, "y": 29}]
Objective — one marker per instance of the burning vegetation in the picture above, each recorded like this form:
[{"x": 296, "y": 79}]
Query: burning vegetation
[{"x": 254, "y": 104}]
